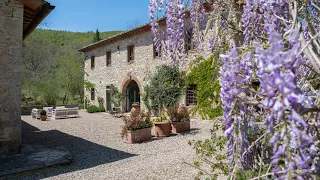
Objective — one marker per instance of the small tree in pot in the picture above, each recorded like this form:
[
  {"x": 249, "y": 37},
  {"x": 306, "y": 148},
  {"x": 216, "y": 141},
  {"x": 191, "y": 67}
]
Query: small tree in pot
[
  {"x": 43, "y": 115},
  {"x": 164, "y": 89},
  {"x": 137, "y": 127},
  {"x": 179, "y": 117}
]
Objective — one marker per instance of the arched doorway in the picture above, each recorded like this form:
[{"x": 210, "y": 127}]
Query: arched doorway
[{"x": 132, "y": 95}]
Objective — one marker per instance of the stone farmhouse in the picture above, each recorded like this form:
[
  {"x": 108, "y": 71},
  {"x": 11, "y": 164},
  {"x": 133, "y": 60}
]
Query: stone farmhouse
[
  {"x": 18, "y": 18},
  {"x": 126, "y": 62}
]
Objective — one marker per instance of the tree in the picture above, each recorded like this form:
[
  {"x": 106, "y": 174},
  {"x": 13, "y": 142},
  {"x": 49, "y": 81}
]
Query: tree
[
  {"x": 97, "y": 37},
  {"x": 165, "y": 87}
]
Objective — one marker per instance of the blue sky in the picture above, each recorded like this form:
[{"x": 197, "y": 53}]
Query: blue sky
[{"x": 88, "y": 15}]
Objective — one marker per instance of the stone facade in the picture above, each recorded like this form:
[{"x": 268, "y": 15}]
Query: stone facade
[
  {"x": 120, "y": 72},
  {"x": 11, "y": 32}
]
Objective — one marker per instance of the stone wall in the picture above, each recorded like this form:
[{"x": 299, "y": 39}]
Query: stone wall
[
  {"x": 11, "y": 21},
  {"x": 121, "y": 72}
]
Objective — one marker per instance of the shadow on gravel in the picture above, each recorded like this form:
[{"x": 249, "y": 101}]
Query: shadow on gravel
[
  {"x": 86, "y": 154},
  {"x": 192, "y": 131}
]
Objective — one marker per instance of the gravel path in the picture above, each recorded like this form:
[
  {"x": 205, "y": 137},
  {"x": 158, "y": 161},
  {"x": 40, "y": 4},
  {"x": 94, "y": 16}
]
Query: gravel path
[{"x": 100, "y": 153}]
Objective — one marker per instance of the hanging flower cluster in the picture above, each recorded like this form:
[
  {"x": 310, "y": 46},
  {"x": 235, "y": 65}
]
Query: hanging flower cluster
[
  {"x": 175, "y": 29},
  {"x": 235, "y": 113},
  {"x": 283, "y": 100}
]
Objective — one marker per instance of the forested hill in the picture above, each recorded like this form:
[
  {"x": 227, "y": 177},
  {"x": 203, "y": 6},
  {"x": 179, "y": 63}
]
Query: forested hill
[
  {"x": 53, "y": 66},
  {"x": 67, "y": 38}
]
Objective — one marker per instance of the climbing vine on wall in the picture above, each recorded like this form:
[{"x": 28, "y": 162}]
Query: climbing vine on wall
[{"x": 202, "y": 74}]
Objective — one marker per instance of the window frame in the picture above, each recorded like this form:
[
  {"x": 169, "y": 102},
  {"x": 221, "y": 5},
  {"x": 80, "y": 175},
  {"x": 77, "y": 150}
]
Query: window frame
[
  {"x": 190, "y": 42},
  {"x": 108, "y": 58},
  {"x": 93, "y": 62},
  {"x": 130, "y": 53},
  {"x": 93, "y": 94},
  {"x": 155, "y": 52},
  {"x": 191, "y": 95}
]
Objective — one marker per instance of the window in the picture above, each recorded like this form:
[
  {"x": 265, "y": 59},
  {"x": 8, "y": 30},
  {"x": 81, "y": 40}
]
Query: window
[
  {"x": 92, "y": 62},
  {"x": 130, "y": 53},
  {"x": 191, "y": 97},
  {"x": 92, "y": 94},
  {"x": 108, "y": 58},
  {"x": 191, "y": 44},
  {"x": 155, "y": 52}
]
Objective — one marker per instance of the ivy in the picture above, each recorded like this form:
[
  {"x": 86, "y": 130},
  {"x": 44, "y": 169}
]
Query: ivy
[{"x": 203, "y": 74}]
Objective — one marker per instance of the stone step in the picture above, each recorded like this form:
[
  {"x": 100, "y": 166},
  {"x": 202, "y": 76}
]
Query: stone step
[{"x": 34, "y": 160}]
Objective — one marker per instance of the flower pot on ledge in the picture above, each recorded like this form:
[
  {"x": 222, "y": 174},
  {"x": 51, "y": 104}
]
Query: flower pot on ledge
[
  {"x": 43, "y": 117},
  {"x": 178, "y": 127},
  {"x": 162, "y": 128},
  {"x": 138, "y": 136}
]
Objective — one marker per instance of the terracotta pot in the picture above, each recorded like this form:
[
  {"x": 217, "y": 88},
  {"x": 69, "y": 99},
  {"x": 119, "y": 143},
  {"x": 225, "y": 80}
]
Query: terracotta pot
[
  {"x": 43, "y": 117},
  {"x": 139, "y": 135},
  {"x": 162, "y": 128},
  {"x": 178, "y": 127},
  {"x": 135, "y": 107}
]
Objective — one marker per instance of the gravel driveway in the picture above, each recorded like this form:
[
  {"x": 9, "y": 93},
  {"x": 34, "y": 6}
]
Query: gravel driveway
[{"x": 99, "y": 152}]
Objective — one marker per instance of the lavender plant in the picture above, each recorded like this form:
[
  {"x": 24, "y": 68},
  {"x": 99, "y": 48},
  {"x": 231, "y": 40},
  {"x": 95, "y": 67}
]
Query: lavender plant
[{"x": 269, "y": 79}]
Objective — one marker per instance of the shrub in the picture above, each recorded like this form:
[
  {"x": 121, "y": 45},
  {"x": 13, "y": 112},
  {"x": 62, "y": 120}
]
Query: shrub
[
  {"x": 43, "y": 112},
  {"x": 165, "y": 87},
  {"x": 178, "y": 113},
  {"x": 101, "y": 109},
  {"x": 92, "y": 109},
  {"x": 136, "y": 120}
]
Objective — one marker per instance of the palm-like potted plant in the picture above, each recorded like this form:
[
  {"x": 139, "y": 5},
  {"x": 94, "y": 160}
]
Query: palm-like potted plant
[
  {"x": 179, "y": 117},
  {"x": 43, "y": 115},
  {"x": 137, "y": 127},
  {"x": 162, "y": 126}
]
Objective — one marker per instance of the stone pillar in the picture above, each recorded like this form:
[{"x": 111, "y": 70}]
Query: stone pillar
[{"x": 11, "y": 30}]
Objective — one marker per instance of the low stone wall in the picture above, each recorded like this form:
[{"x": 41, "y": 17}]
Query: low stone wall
[{"x": 27, "y": 110}]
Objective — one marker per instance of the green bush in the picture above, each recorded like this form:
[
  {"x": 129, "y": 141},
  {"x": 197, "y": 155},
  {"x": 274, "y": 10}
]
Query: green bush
[
  {"x": 204, "y": 75},
  {"x": 93, "y": 109},
  {"x": 43, "y": 112},
  {"x": 101, "y": 109},
  {"x": 165, "y": 87}
]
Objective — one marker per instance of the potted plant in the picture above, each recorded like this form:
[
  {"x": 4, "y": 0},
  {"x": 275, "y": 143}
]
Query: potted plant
[
  {"x": 162, "y": 126},
  {"x": 179, "y": 117},
  {"x": 43, "y": 115},
  {"x": 137, "y": 127}
]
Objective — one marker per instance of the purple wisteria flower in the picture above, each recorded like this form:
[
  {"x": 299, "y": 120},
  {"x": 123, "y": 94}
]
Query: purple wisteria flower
[
  {"x": 235, "y": 112},
  {"x": 283, "y": 101}
]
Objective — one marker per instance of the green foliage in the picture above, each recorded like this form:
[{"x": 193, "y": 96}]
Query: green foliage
[
  {"x": 53, "y": 56},
  {"x": 203, "y": 74},
  {"x": 146, "y": 98},
  {"x": 97, "y": 37},
  {"x": 43, "y": 112},
  {"x": 165, "y": 87},
  {"x": 47, "y": 88},
  {"x": 210, "y": 154},
  {"x": 136, "y": 120},
  {"x": 178, "y": 113},
  {"x": 100, "y": 101},
  {"x": 116, "y": 96},
  {"x": 93, "y": 109}
]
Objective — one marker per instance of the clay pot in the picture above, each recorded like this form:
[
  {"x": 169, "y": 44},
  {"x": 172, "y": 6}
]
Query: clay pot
[
  {"x": 139, "y": 135},
  {"x": 43, "y": 117},
  {"x": 135, "y": 107},
  {"x": 178, "y": 127},
  {"x": 162, "y": 128}
]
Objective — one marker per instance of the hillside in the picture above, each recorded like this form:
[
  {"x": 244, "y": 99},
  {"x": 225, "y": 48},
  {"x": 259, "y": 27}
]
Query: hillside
[
  {"x": 53, "y": 66},
  {"x": 67, "y": 38}
]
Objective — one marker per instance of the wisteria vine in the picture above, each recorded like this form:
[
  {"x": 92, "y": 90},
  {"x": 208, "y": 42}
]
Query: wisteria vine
[{"x": 270, "y": 78}]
